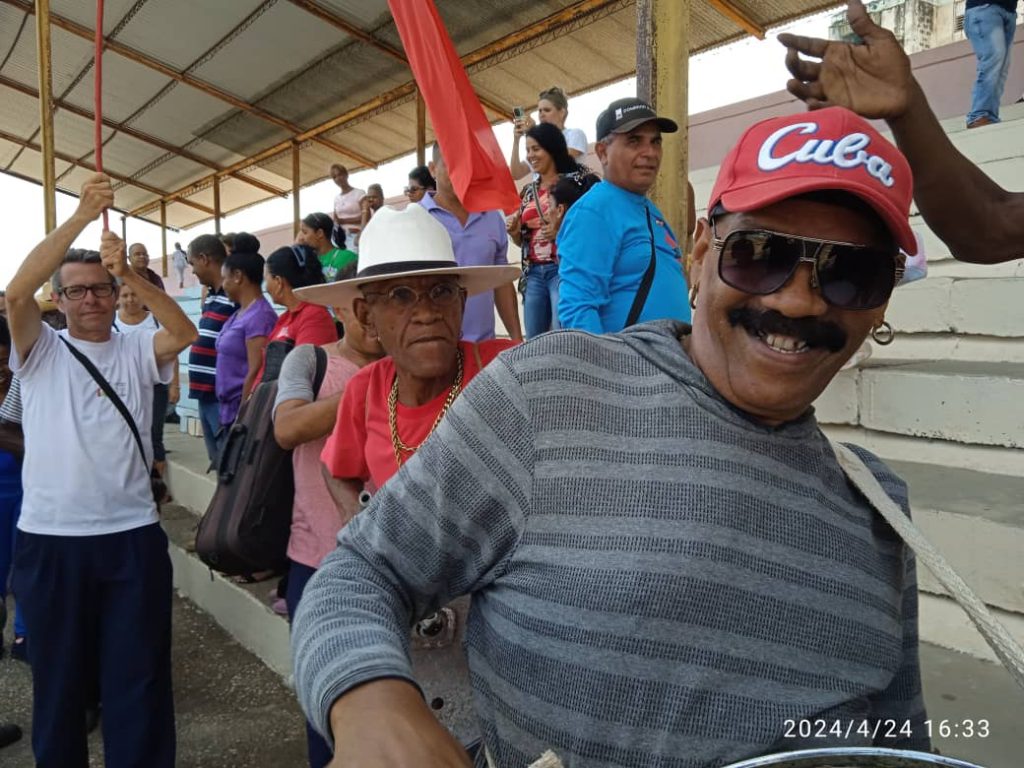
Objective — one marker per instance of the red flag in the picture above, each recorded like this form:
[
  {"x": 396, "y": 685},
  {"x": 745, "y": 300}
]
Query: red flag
[{"x": 475, "y": 162}]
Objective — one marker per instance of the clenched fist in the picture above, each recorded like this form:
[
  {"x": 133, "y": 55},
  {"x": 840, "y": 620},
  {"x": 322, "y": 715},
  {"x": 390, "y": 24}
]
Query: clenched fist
[
  {"x": 97, "y": 196},
  {"x": 113, "y": 254}
]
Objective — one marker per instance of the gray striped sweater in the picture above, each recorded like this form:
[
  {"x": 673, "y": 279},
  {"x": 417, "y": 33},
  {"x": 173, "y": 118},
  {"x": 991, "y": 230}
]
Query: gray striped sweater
[{"x": 657, "y": 580}]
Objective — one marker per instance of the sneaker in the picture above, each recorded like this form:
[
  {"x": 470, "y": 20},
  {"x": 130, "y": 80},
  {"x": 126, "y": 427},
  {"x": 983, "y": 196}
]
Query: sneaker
[
  {"x": 977, "y": 123},
  {"x": 19, "y": 648},
  {"x": 9, "y": 733}
]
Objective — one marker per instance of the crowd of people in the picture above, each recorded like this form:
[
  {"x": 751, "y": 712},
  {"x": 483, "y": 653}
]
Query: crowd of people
[{"x": 665, "y": 559}]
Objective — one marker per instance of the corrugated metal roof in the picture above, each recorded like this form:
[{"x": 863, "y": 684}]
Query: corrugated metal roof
[{"x": 226, "y": 81}]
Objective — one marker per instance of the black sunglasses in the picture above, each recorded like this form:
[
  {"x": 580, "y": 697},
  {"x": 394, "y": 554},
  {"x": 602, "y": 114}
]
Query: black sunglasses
[{"x": 849, "y": 276}]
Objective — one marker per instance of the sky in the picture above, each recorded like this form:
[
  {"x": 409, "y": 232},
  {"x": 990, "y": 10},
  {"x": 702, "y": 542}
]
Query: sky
[{"x": 732, "y": 73}]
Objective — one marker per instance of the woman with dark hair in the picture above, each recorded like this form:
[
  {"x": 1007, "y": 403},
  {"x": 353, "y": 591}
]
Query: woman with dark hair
[
  {"x": 552, "y": 109},
  {"x": 244, "y": 335},
  {"x": 549, "y": 158},
  {"x": 288, "y": 268},
  {"x": 420, "y": 182},
  {"x": 318, "y": 231}
]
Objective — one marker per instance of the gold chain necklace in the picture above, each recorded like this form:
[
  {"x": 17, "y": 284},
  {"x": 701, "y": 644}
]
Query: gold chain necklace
[{"x": 396, "y": 441}]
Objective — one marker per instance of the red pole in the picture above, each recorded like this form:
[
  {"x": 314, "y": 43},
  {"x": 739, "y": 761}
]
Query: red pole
[{"x": 98, "y": 97}]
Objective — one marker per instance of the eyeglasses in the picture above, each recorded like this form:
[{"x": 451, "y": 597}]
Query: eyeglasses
[
  {"x": 849, "y": 276},
  {"x": 410, "y": 190},
  {"x": 404, "y": 298},
  {"x": 77, "y": 292}
]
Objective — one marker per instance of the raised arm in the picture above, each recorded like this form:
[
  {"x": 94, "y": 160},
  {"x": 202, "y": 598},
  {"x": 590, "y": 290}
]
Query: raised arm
[
  {"x": 23, "y": 313},
  {"x": 447, "y": 524},
  {"x": 176, "y": 330},
  {"x": 516, "y": 165},
  {"x": 979, "y": 220}
]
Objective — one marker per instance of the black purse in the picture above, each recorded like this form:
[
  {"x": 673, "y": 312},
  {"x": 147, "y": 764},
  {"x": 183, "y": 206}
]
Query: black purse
[{"x": 157, "y": 484}]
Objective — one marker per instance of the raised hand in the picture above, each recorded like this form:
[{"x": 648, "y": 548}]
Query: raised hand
[
  {"x": 872, "y": 79},
  {"x": 97, "y": 195},
  {"x": 113, "y": 254}
]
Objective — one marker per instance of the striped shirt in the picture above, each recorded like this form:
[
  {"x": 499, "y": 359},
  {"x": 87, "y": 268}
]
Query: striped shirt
[
  {"x": 10, "y": 410},
  {"x": 202, "y": 356},
  {"x": 657, "y": 579}
]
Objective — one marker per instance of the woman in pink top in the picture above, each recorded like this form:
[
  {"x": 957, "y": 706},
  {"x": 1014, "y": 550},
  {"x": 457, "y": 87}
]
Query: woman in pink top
[{"x": 303, "y": 419}]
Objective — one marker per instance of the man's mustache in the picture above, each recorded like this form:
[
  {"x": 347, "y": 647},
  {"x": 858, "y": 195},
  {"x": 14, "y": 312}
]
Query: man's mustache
[{"x": 814, "y": 333}]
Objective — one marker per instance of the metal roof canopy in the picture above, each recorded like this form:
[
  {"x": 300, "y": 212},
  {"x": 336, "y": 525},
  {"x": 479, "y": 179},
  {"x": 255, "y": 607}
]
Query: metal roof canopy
[{"x": 195, "y": 90}]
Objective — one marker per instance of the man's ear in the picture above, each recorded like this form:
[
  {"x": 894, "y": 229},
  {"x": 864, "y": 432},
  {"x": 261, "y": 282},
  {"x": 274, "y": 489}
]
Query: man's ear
[
  {"x": 601, "y": 150},
  {"x": 701, "y": 244},
  {"x": 361, "y": 309}
]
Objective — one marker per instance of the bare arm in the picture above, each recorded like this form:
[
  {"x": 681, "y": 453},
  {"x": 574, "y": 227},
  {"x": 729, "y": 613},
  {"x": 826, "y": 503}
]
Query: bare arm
[
  {"x": 254, "y": 358},
  {"x": 176, "y": 330},
  {"x": 12, "y": 440},
  {"x": 300, "y": 421},
  {"x": 341, "y": 490},
  {"x": 979, "y": 220},
  {"x": 515, "y": 162},
  {"x": 507, "y": 304},
  {"x": 23, "y": 313}
]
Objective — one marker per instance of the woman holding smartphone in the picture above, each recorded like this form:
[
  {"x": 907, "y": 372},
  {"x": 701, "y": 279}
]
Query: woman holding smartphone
[{"x": 553, "y": 108}]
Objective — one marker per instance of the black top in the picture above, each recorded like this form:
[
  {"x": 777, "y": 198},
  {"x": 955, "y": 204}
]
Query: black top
[{"x": 1010, "y": 5}]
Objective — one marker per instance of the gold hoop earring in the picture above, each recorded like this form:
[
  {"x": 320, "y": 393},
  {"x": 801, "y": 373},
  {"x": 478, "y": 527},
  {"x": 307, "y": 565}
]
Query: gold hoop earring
[
  {"x": 883, "y": 334},
  {"x": 693, "y": 296}
]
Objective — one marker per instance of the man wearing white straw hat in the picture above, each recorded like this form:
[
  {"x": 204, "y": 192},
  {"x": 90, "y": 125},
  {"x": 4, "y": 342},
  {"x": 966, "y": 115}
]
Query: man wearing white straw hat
[{"x": 410, "y": 293}]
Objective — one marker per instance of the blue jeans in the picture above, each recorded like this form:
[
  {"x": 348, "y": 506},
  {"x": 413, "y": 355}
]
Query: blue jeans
[
  {"x": 10, "y": 510},
  {"x": 990, "y": 28},
  {"x": 209, "y": 418},
  {"x": 540, "y": 304}
]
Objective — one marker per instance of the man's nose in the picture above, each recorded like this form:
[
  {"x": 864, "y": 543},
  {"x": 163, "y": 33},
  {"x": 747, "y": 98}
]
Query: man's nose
[{"x": 799, "y": 297}]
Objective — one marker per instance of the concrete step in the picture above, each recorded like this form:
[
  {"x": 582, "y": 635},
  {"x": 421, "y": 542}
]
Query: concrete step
[
  {"x": 910, "y": 347},
  {"x": 966, "y": 402},
  {"x": 976, "y": 520},
  {"x": 981, "y": 306},
  {"x": 942, "y": 453},
  {"x": 241, "y": 609}
]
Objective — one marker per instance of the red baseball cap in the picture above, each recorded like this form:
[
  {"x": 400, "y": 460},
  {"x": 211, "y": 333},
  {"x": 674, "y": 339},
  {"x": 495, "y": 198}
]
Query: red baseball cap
[{"x": 830, "y": 148}]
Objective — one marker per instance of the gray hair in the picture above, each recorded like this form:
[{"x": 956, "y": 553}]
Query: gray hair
[{"x": 75, "y": 256}]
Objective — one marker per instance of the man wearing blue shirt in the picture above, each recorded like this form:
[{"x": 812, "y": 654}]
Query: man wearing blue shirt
[{"x": 606, "y": 241}]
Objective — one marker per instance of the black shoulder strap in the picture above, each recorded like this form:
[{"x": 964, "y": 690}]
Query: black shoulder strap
[
  {"x": 321, "y": 369},
  {"x": 645, "y": 283},
  {"x": 110, "y": 393}
]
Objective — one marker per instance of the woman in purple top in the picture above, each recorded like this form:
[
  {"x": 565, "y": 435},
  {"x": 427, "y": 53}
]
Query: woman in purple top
[{"x": 241, "y": 341}]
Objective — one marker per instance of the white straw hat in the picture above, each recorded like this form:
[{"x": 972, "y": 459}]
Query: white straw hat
[{"x": 407, "y": 243}]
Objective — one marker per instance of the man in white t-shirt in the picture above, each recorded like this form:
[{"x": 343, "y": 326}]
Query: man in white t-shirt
[
  {"x": 348, "y": 211},
  {"x": 91, "y": 564}
]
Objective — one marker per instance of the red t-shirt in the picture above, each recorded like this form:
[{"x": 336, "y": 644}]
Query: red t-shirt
[
  {"x": 306, "y": 324},
  {"x": 360, "y": 446}
]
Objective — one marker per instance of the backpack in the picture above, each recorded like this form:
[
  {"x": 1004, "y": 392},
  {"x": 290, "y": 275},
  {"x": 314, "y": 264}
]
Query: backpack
[{"x": 246, "y": 526}]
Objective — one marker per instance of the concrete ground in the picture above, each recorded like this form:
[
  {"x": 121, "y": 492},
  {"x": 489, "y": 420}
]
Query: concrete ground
[{"x": 231, "y": 709}]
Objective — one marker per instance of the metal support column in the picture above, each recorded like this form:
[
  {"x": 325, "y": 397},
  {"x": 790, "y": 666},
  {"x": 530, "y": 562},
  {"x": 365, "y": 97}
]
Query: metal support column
[
  {"x": 421, "y": 129},
  {"x": 45, "y": 69},
  {"x": 296, "y": 184},
  {"x": 163, "y": 237},
  {"x": 124, "y": 228},
  {"x": 662, "y": 64},
  {"x": 216, "y": 204}
]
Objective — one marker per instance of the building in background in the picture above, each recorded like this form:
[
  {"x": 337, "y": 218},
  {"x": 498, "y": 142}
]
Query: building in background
[{"x": 918, "y": 24}]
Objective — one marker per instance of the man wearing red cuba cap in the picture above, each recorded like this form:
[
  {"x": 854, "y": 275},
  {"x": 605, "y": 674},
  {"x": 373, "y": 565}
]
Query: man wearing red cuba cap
[{"x": 667, "y": 564}]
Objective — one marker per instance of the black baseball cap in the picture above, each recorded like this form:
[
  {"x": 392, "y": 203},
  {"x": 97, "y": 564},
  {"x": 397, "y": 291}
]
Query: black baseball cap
[{"x": 623, "y": 115}]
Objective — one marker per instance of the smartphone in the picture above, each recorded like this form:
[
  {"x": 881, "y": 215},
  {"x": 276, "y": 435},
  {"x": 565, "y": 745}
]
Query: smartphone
[{"x": 518, "y": 113}]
